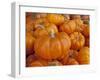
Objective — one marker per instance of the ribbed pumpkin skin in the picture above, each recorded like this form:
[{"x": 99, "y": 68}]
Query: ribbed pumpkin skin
[
  {"x": 77, "y": 40},
  {"x": 68, "y": 27},
  {"x": 55, "y": 18},
  {"x": 45, "y": 29},
  {"x": 84, "y": 56},
  {"x": 48, "y": 47}
]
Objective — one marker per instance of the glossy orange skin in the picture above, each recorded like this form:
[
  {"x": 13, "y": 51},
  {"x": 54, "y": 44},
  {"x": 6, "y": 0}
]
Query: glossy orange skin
[
  {"x": 77, "y": 40},
  {"x": 29, "y": 43},
  {"x": 84, "y": 56},
  {"x": 45, "y": 29},
  {"x": 55, "y": 18},
  {"x": 68, "y": 27},
  {"x": 52, "y": 47}
]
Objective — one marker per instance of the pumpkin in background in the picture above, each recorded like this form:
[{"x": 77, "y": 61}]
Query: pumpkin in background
[
  {"x": 29, "y": 43},
  {"x": 77, "y": 40},
  {"x": 70, "y": 54},
  {"x": 68, "y": 27},
  {"x": 52, "y": 46},
  {"x": 87, "y": 42},
  {"x": 84, "y": 56},
  {"x": 85, "y": 30},
  {"x": 55, "y": 18},
  {"x": 45, "y": 29},
  {"x": 54, "y": 63},
  {"x": 30, "y": 58},
  {"x": 41, "y": 15},
  {"x": 38, "y": 63},
  {"x": 75, "y": 17},
  {"x": 72, "y": 61}
]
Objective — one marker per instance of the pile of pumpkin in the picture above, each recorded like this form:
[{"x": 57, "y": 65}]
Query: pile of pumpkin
[{"x": 57, "y": 39}]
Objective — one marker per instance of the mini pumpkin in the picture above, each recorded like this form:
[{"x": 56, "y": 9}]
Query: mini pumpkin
[
  {"x": 55, "y": 18},
  {"x": 68, "y": 27},
  {"x": 38, "y": 63},
  {"x": 84, "y": 56},
  {"x": 52, "y": 46},
  {"x": 85, "y": 30},
  {"x": 45, "y": 29},
  {"x": 29, "y": 43},
  {"x": 70, "y": 54},
  {"x": 72, "y": 61},
  {"x": 77, "y": 40}
]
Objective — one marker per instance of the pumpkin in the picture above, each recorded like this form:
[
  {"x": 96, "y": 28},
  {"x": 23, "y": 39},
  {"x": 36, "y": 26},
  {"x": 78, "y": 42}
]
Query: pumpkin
[
  {"x": 38, "y": 63},
  {"x": 85, "y": 17},
  {"x": 85, "y": 30},
  {"x": 54, "y": 63},
  {"x": 77, "y": 40},
  {"x": 45, "y": 29},
  {"x": 84, "y": 56},
  {"x": 55, "y": 18},
  {"x": 68, "y": 27},
  {"x": 87, "y": 42},
  {"x": 33, "y": 60},
  {"x": 52, "y": 46},
  {"x": 70, "y": 54},
  {"x": 29, "y": 43},
  {"x": 67, "y": 17},
  {"x": 30, "y": 58},
  {"x": 41, "y": 15},
  {"x": 75, "y": 17},
  {"x": 72, "y": 61}
]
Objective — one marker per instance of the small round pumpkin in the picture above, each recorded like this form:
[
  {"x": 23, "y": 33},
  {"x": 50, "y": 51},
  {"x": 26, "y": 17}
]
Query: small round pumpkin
[
  {"x": 41, "y": 15},
  {"x": 68, "y": 27},
  {"x": 77, "y": 40},
  {"x": 38, "y": 63},
  {"x": 29, "y": 43},
  {"x": 45, "y": 29},
  {"x": 70, "y": 54},
  {"x": 85, "y": 30},
  {"x": 84, "y": 56},
  {"x": 72, "y": 61},
  {"x": 52, "y": 46},
  {"x": 55, "y": 18}
]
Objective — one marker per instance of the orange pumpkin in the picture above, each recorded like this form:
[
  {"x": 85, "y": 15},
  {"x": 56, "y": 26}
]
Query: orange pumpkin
[
  {"x": 70, "y": 54},
  {"x": 29, "y": 43},
  {"x": 87, "y": 42},
  {"x": 52, "y": 46},
  {"x": 38, "y": 63},
  {"x": 75, "y": 16},
  {"x": 55, "y": 18},
  {"x": 41, "y": 15},
  {"x": 72, "y": 61},
  {"x": 85, "y": 30},
  {"x": 29, "y": 59},
  {"x": 84, "y": 56},
  {"x": 45, "y": 29},
  {"x": 77, "y": 40},
  {"x": 68, "y": 27}
]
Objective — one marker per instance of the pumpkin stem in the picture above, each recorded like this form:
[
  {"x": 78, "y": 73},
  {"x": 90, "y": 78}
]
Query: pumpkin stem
[
  {"x": 52, "y": 33},
  {"x": 40, "y": 26}
]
